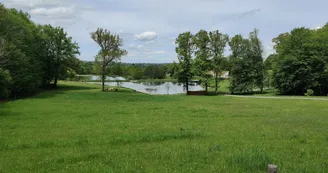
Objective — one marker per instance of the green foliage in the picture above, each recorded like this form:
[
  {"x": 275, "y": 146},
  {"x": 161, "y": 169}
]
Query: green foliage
[
  {"x": 302, "y": 61},
  {"x": 61, "y": 55},
  {"x": 247, "y": 70},
  {"x": 203, "y": 63},
  {"x": 32, "y": 55},
  {"x": 86, "y": 68},
  {"x": 241, "y": 73},
  {"x": 5, "y": 81},
  {"x": 256, "y": 52},
  {"x": 309, "y": 92},
  {"x": 136, "y": 72},
  {"x": 185, "y": 49},
  {"x": 268, "y": 78},
  {"x": 270, "y": 61},
  {"x": 218, "y": 42},
  {"x": 172, "y": 70},
  {"x": 155, "y": 72},
  {"x": 110, "y": 51},
  {"x": 19, "y": 54}
]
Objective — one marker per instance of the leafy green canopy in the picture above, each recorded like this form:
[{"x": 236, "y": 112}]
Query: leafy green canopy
[
  {"x": 31, "y": 55},
  {"x": 302, "y": 61},
  {"x": 247, "y": 71}
]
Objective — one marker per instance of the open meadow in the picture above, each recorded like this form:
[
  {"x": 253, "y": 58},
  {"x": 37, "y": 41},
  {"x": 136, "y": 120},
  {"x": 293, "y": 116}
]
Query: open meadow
[{"x": 80, "y": 129}]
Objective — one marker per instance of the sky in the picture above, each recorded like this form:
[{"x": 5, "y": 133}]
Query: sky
[{"x": 149, "y": 27}]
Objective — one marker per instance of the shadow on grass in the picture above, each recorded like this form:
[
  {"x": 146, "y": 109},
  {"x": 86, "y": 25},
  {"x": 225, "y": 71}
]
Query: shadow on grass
[
  {"x": 61, "y": 89},
  {"x": 121, "y": 90},
  {"x": 213, "y": 93},
  {"x": 75, "y": 87},
  {"x": 6, "y": 111},
  {"x": 265, "y": 92}
]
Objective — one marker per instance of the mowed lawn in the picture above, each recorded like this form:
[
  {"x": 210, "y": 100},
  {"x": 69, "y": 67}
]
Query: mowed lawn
[{"x": 80, "y": 129}]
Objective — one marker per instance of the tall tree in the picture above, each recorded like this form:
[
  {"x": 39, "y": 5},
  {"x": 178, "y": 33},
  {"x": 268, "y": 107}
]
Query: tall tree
[
  {"x": 203, "y": 64},
  {"x": 256, "y": 49},
  {"x": 62, "y": 51},
  {"x": 185, "y": 50},
  {"x": 302, "y": 61},
  {"x": 218, "y": 42},
  {"x": 5, "y": 81},
  {"x": 5, "y": 77},
  {"x": 3, "y": 52},
  {"x": 110, "y": 50},
  {"x": 20, "y": 60},
  {"x": 241, "y": 73}
]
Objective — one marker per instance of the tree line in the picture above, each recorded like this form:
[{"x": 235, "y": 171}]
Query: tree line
[
  {"x": 301, "y": 61},
  {"x": 299, "y": 66},
  {"x": 32, "y": 56},
  {"x": 201, "y": 55},
  {"x": 134, "y": 71}
]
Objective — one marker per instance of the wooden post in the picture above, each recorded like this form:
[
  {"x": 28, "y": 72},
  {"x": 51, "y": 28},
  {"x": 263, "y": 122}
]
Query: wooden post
[{"x": 272, "y": 168}]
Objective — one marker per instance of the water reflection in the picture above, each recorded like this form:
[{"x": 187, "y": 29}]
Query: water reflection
[{"x": 95, "y": 77}]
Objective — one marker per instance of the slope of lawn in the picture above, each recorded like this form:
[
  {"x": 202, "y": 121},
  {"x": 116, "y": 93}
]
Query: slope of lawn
[{"x": 80, "y": 129}]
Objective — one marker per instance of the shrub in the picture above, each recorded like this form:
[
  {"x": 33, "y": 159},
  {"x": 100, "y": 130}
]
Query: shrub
[{"x": 309, "y": 92}]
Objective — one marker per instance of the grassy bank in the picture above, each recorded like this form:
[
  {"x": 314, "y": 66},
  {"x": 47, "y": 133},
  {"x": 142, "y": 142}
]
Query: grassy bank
[{"x": 80, "y": 129}]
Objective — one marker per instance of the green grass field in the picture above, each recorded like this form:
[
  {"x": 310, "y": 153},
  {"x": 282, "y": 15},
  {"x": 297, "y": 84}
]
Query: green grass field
[{"x": 80, "y": 129}]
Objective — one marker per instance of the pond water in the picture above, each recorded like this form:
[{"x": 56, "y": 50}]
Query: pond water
[
  {"x": 155, "y": 88},
  {"x": 95, "y": 77}
]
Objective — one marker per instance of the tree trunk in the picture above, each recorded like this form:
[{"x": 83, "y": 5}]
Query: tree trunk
[
  {"x": 103, "y": 74},
  {"x": 206, "y": 88},
  {"x": 56, "y": 77},
  {"x": 103, "y": 82},
  {"x": 55, "y": 84},
  {"x": 216, "y": 83},
  {"x": 187, "y": 85}
]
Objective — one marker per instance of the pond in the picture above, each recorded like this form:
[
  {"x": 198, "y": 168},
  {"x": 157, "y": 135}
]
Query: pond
[
  {"x": 155, "y": 88},
  {"x": 97, "y": 77}
]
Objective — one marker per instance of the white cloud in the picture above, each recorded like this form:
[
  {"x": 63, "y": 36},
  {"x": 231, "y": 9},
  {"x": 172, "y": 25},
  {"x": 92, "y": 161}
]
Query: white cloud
[
  {"x": 146, "y": 36},
  {"x": 130, "y": 17},
  {"x": 316, "y": 28},
  {"x": 30, "y": 3},
  {"x": 55, "y": 12}
]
